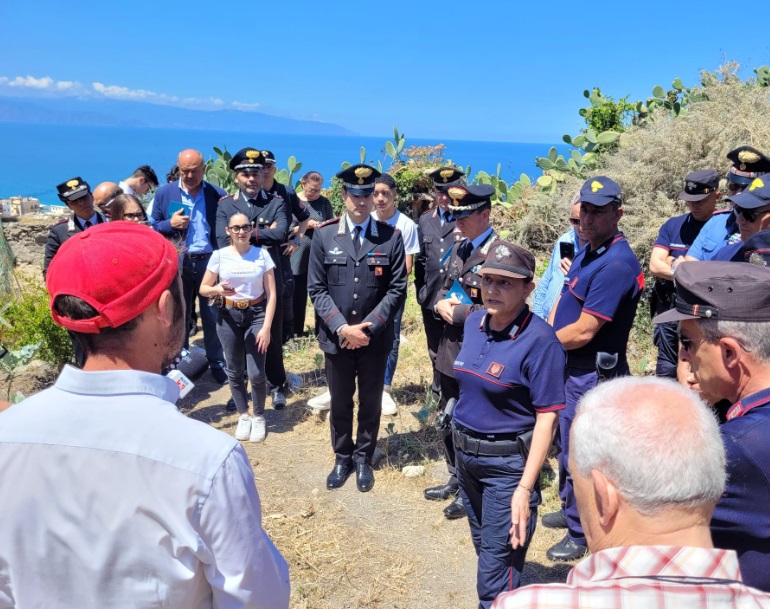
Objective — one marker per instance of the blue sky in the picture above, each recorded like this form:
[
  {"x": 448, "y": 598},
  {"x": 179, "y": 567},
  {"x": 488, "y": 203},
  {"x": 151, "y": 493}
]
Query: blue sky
[{"x": 485, "y": 70}]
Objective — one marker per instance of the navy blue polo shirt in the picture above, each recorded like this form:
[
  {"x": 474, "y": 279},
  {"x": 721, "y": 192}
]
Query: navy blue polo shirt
[
  {"x": 730, "y": 252},
  {"x": 741, "y": 520},
  {"x": 507, "y": 377},
  {"x": 678, "y": 233},
  {"x": 606, "y": 283}
]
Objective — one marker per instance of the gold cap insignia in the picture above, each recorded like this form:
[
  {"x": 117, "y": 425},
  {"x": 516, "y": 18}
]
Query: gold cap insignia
[
  {"x": 446, "y": 174},
  {"x": 252, "y": 155},
  {"x": 362, "y": 173},
  {"x": 72, "y": 183},
  {"x": 747, "y": 156},
  {"x": 757, "y": 183},
  {"x": 264, "y": 152},
  {"x": 456, "y": 193},
  {"x": 757, "y": 259},
  {"x": 596, "y": 186}
]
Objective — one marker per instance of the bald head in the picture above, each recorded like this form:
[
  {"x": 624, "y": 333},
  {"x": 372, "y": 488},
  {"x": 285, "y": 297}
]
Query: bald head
[
  {"x": 191, "y": 169},
  {"x": 655, "y": 440},
  {"x": 104, "y": 194}
]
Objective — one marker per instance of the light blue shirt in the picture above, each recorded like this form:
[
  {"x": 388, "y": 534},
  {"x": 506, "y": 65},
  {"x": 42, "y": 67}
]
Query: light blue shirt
[
  {"x": 198, "y": 231},
  {"x": 481, "y": 238},
  {"x": 550, "y": 284},
  {"x": 713, "y": 237},
  {"x": 113, "y": 498}
]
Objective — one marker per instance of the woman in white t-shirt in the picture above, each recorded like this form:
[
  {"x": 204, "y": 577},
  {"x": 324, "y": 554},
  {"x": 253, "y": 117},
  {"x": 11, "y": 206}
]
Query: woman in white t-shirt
[{"x": 246, "y": 281}]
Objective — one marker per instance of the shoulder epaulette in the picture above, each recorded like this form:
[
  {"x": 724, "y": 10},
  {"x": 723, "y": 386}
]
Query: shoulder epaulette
[
  {"x": 62, "y": 220},
  {"x": 332, "y": 221}
]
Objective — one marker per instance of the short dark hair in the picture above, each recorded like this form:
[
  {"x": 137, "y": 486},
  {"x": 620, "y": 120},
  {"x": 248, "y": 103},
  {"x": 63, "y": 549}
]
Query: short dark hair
[
  {"x": 173, "y": 174},
  {"x": 312, "y": 176},
  {"x": 146, "y": 172},
  {"x": 108, "y": 340},
  {"x": 388, "y": 180}
]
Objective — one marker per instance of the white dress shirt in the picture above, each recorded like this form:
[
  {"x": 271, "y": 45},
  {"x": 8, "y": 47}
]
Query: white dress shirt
[{"x": 113, "y": 498}]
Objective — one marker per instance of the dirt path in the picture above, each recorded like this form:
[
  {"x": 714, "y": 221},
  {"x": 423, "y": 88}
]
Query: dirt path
[{"x": 388, "y": 548}]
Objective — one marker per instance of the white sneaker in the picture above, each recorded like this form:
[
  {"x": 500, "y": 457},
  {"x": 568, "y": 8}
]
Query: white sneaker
[
  {"x": 321, "y": 402},
  {"x": 257, "y": 429},
  {"x": 388, "y": 405},
  {"x": 244, "y": 427}
]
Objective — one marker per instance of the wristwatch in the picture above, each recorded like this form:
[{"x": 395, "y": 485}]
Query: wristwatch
[{"x": 296, "y": 240}]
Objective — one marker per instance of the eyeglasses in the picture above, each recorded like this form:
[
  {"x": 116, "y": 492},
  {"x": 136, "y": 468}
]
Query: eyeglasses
[
  {"x": 750, "y": 215},
  {"x": 246, "y": 228},
  {"x": 134, "y": 217},
  {"x": 688, "y": 343}
]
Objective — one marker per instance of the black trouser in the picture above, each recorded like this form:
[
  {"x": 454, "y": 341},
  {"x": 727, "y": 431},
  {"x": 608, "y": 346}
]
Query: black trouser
[
  {"x": 287, "y": 330},
  {"x": 299, "y": 301},
  {"x": 434, "y": 330},
  {"x": 276, "y": 373},
  {"x": 343, "y": 369},
  {"x": 666, "y": 339},
  {"x": 449, "y": 389}
]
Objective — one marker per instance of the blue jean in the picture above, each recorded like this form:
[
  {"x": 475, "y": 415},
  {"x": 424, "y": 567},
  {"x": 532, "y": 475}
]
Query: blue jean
[
  {"x": 486, "y": 486},
  {"x": 390, "y": 367},
  {"x": 238, "y": 329},
  {"x": 192, "y": 275}
]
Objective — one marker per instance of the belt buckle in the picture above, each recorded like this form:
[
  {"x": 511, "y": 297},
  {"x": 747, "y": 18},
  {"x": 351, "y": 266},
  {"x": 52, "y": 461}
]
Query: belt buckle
[{"x": 241, "y": 304}]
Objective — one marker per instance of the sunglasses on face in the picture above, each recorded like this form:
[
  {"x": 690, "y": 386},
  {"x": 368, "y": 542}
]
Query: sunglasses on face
[
  {"x": 750, "y": 215},
  {"x": 240, "y": 229},
  {"x": 134, "y": 217}
]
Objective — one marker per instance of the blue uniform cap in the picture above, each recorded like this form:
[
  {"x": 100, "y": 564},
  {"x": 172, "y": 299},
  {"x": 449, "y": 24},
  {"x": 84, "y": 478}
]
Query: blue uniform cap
[
  {"x": 748, "y": 163},
  {"x": 247, "y": 159},
  {"x": 756, "y": 195},
  {"x": 467, "y": 199},
  {"x": 699, "y": 184},
  {"x": 757, "y": 249},
  {"x": 600, "y": 191}
]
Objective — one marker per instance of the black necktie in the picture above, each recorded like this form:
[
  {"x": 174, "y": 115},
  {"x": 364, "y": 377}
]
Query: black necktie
[
  {"x": 465, "y": 249},
  {"x": 356, "y": 240},
  {"x": 87, "y": 224}
]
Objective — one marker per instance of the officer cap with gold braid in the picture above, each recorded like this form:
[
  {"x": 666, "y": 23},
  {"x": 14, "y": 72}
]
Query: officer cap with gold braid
[
  {"x": 726, "y": 291},
  {"x": 247, "y": 159},
  {"x": 748, "y": 163},
  {"x": 601, "y": 191},
  {"x": 359, "y": 179},
  {"x": 467, "y": 199},
  {"x": 447, "y": 176},
  {"x": 269, "y": 157},
  {"x": 73, "y": 189}
]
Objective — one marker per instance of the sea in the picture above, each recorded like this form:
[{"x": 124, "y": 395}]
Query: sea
[{"x": 34, "y": 158}]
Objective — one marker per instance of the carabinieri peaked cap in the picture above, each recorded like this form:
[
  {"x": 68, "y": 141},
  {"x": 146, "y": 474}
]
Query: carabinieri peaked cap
[
  {"x": 247, "y": 159},
  {"x": 467, "y": 199},
  {"x": 269, "y": 157},
  {"x": 73, "y": 189},
  {"x": 748, "y": 163},
  {"x": 755, "y": 196},
  {"x": 359, "y": 179},
  {"x": 699, "y": 184},
  {"x": 447, "y": 176},
  {"x": 727, "y": 291},
  {"x": 600, "y": 191}
]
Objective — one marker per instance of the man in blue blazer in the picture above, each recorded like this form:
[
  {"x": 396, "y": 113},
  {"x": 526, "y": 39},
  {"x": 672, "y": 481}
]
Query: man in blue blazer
[{"x": 185, "y": 211}]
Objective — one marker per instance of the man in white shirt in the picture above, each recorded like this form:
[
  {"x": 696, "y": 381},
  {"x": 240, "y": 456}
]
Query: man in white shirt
[
  {"x": 142, "y": 181},
  {"x": 111, "y": 497},
  {"x": 385, "y": 194}
]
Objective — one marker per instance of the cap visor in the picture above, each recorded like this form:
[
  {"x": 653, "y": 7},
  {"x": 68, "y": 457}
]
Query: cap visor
[
  {"x": 688, "y": 197},
  {"x": 736, "y": 179},
  {"x": 747, "y": 200},
  {"x": 597, "y": 200},
  {"x": 78, "y": 195},
  {"x": 672, "y": 315},
  {"x": 361, "y": 192}
]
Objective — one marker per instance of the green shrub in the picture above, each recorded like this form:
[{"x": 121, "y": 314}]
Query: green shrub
[{"x": 27, "y": 321}]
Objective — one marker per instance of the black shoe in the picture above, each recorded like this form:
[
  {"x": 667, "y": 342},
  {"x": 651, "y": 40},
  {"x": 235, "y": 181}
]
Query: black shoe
[
  {"x": 455, "y": 510},
  {"x": 441, "y": 492},
  {"x": 364, "y": 477},
  {"x": 279, "y": 398},
  {"x": 555, "y": 520},
  {"x": 193, "y": 330},
  {"x": 230, "y": 406},
  {"x": 220, "y": 376},
  {"x": 339, "y": 475},
  {"x": 566, "y": 550}
]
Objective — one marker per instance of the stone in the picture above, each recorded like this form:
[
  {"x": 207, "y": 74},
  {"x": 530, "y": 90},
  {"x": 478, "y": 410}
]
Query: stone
[{"x": 413, "y": 471}]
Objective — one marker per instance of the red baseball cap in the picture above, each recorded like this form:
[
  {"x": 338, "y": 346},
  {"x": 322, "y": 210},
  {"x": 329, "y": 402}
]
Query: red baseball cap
[{"x": 119, "y": 268}]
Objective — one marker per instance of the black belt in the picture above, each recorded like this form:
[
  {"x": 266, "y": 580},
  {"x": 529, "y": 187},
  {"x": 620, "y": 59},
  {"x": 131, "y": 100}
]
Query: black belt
[
  {"x": 197, "y": 256},
  {"x": 586, "y": 362},
  {"x": 484, "y": 448}
]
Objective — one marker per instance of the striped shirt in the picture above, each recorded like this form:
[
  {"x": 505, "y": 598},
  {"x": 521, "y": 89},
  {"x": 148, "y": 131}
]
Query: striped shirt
[{"x": 643, "y": 577}]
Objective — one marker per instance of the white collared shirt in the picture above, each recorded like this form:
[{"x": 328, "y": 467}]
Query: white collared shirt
[
  {"x": 113, "y": 498},
  {"x": 364, "y": 225},
  {"x": 126, "y": 188}
]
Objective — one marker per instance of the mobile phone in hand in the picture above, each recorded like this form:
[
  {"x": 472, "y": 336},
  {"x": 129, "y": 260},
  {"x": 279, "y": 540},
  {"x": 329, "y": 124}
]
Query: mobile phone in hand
[{"x": 567, "y": 250}]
